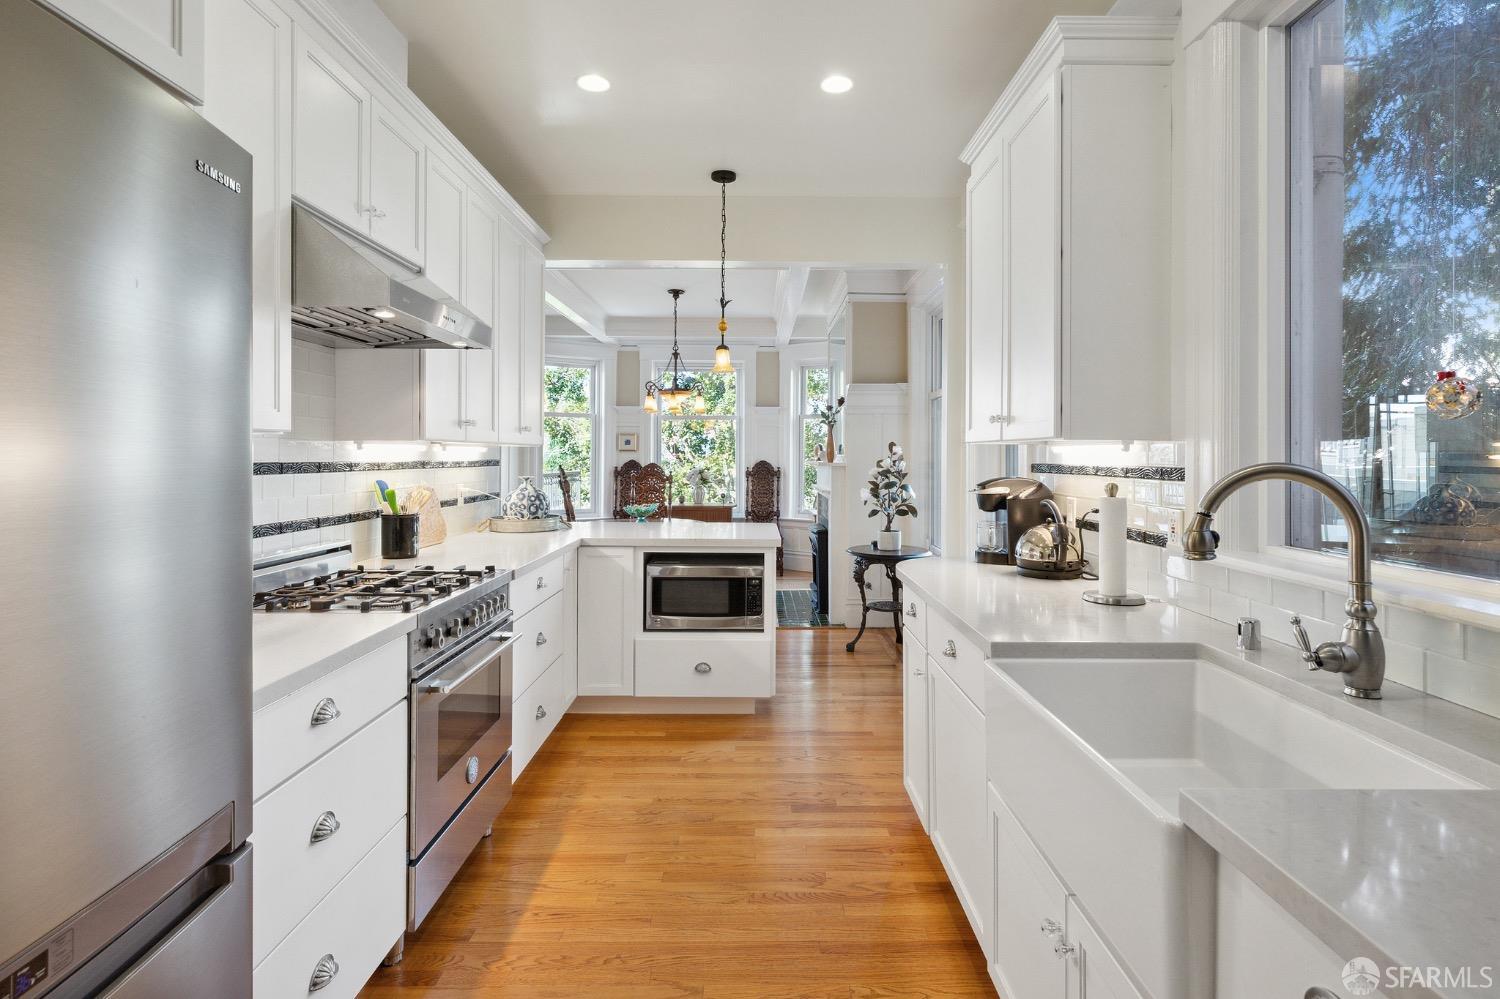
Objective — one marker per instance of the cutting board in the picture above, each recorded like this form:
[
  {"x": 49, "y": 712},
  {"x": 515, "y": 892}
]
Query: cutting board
[{"x": 432, "y": 529}]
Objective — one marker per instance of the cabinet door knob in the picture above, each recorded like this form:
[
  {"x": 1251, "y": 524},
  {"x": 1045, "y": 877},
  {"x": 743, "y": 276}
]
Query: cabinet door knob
[
  {"x": 703, "y": 668},
  {"x": 1063, "y": 949},
  {"x": 911, "y": 610},
  {"x": 325, "y": 711},
  {"x": 324, "y": 972},
  {"x": 541, "y": 712},
  {"x": 918, "y": 672},
  {"x": 541, "y": 582},
  {"x": 950, "y": 650},
  {"x": 541, "y": 639},
  {"x": 323, "y": 827},
  {"x": 524, "y": 430},
  {"x": 1051, "y": 928}
]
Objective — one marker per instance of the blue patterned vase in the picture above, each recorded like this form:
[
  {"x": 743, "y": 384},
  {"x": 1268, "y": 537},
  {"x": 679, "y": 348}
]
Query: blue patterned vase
[{"x": 526, "y": 502}]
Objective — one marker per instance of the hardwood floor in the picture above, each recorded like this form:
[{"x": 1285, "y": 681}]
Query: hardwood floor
[{"x": 764, "y": 855}]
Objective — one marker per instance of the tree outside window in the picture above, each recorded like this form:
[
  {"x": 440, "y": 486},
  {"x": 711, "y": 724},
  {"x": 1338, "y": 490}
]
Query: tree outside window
[
  {"x": 707, "y": 441},
  {"x": 1395, "y": 220},
  {"x": 569, "y": 430}
]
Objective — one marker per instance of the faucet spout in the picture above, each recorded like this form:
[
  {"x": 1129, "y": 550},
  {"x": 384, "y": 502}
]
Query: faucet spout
[{"x": 1360, "y": 656}]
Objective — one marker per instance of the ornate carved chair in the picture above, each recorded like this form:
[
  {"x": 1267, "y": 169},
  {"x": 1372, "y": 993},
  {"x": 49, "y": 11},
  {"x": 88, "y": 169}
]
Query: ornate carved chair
[
  {"x": 763, "y": 499},
  {"x": 566, "y": 488},
  {"x": 636, "y": 484}
]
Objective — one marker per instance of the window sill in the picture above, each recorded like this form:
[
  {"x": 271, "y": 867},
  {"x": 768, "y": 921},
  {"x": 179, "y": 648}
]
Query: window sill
[{"x": 1467, "y": 600}]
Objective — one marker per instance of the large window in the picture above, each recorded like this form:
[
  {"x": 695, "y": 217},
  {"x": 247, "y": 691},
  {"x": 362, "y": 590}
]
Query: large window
[
  {"x": 814, "y": 388},
  {"x": 706, "y": 442},
  {"x": 1395, "y": 274},
  {"x": 570, "y": 428}
]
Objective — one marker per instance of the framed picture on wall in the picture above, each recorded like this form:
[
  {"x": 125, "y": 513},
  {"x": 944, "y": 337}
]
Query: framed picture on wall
[{"x": 627, "y": 440}]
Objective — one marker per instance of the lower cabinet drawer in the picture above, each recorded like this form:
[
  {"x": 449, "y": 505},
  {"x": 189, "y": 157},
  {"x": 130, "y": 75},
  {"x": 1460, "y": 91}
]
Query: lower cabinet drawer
[
  {"x": 538, "y": 709},
  {"x": 705, "y": 667},
  {"x": 350, "y": 930},
  {"x": 540, "y": 639},
  {"x": 913, "y": 617},
  {"x": 958, "y": 657},
  {"x": 313, "y": 829}
]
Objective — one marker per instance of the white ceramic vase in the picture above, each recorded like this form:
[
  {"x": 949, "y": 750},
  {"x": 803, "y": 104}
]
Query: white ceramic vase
[{"x": 889, "y": 541}]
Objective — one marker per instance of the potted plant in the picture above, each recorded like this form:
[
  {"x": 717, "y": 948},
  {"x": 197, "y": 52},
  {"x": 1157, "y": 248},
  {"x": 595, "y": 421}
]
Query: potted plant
[
  {"x": 890, "y": 495},
  {"x": 697, "y": 480},
  {"x": 828, "y": 415}
]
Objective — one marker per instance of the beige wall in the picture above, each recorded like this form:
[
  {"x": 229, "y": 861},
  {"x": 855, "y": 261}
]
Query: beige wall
[
  {"x": 767, "y": 378},
  {"x": 628, "y": 378},
  {"x": 878, "y": 335}
]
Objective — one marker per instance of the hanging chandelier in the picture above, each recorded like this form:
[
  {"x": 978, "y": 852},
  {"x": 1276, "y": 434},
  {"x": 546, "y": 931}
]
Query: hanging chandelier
[
  {"x": 721, "y": 353},
  {"x": 670, "y": 394}
]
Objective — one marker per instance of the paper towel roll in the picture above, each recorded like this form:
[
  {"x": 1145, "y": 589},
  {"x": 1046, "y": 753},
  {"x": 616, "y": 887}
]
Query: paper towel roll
[{"x": 1112, "y": 546}]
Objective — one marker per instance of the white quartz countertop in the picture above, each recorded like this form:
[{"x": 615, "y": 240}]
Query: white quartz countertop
[
  {"x": 1404, "y": 877},
  {"x": 291, "y": 650}
]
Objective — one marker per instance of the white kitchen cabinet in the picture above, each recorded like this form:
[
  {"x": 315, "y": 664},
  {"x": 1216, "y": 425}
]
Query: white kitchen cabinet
[
  {"x": 519, "y": 340},
  {"x": 538, "y": 709},
  {"x": 916, "y": 730},
  {"x": 533, "y": 346},
  {"x": 688, "y": 666},
  {"x": 1264, "y": 951},
  {"x": 569, "y": 661},
  {"x": 958, "y": 813},
  {"x": 331, "y": 116},
  {"x": 247, "y": 86},
  {"x": 166, "y": 38},
  {"x": 1093, "y": 972},
  {"x": 397, "y": 170},
  {"x": 444, "y": 221},
  {"x": 1030, "y": 912},
  {"x": 610, "y": 590},
  {"x": 353, "y": 159},
  {"x": 407, "y": 395},
  {"x": 1068, "y": 240}
]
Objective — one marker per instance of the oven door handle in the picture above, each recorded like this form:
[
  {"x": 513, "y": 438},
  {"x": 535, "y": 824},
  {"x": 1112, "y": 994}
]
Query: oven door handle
[{"x": 444, "y": 685}]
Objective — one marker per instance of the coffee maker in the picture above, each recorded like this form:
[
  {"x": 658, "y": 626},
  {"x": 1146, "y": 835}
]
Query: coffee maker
[{"x": 1017, "y": 505}]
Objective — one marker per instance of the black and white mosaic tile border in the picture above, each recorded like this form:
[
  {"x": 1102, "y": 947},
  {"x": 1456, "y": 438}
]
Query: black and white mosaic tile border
[
  {"x": 1162, "y": 473},
  {"x": 338, "y": 520},
  {"x": 316, "y": 467},
  {"x": 1132, "y": 534}
]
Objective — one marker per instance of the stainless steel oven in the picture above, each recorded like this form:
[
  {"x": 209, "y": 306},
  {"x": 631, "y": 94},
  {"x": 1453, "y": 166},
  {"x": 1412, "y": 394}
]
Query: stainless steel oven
[
  {"x": 460, "y": 758},
  {"x": 705, "y": 592}
]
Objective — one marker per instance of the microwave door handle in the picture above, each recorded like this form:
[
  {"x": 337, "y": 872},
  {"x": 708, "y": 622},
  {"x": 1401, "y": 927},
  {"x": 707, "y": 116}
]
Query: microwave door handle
[{"x": 447, "y": 684}]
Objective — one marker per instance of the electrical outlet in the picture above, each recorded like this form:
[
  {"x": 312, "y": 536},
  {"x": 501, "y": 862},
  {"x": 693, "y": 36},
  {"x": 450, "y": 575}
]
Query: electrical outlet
[
  {"x": 1174, "y": 526},
  {"x": 1072, "y": 509}
]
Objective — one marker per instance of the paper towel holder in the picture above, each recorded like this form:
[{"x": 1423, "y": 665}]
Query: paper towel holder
[{"x": 1126, "y": 599}]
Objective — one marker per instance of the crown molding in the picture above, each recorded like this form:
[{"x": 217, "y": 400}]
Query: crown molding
[{"x": 1144, "y": 41}]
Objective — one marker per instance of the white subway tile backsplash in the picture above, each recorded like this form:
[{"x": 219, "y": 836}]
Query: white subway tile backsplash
[
  {"x": 264, "y": 511},
  {"x": 1247, "y": 584},
  {"x": 1482, "y": 645},
  {"x": 307, "y": 484},
  {"x": 1225, "y": 606},
  {"x": 1445, "y": 638},
  {"x": 1470, "y": 684},
  {"x": 1299, "y": 599},
  {"x": 277, "y": 487},
  {"x": 1405, "y": 664},
  {"x": 292, "y": 508},
  {"x": 1188, "y": 595},
  {"x": 320, "y": 506}
]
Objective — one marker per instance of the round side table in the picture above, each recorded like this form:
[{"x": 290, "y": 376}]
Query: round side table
[{"x": 865, "y": 554}]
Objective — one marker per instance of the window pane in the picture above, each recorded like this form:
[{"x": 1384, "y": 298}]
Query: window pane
[
  {"x": 718, "y": 390},
  {"x": 1395, "y": 140},
  {"x": 569, "y": 444},
  {"x": 815, "y": 388},
  {"x": 813, "y": 435},
  {"x": 688, "y": 444},
  {"x": 568, "y": 390}
]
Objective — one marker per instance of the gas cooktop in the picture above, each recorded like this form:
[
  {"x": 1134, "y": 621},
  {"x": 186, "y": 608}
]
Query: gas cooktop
[{"x": 365, "y": 590}]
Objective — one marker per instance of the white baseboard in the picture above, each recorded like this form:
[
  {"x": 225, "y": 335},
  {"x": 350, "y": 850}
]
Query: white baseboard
[
  {"x": 801, "y": 561},
  {"x": 599, "y": 705}
]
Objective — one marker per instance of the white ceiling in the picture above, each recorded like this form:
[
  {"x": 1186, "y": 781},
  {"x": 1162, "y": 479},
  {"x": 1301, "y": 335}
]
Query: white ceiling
[{"x": 700, "y": 84}]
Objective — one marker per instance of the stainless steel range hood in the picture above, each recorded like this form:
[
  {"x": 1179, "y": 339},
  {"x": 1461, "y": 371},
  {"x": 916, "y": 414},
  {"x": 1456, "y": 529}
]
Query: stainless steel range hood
[{"x": 348, "y": 294}]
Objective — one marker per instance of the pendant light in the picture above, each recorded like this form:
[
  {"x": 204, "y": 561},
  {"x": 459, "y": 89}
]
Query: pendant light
[
  {"x": 723, "y": 178},
  {"x": 671, "y": 395}
]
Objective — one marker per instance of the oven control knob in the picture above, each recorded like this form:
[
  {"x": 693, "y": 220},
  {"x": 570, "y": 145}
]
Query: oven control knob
[
  {"x": 434, "y": 637},
  {"x": 455, "y": 626},
  {"x": 470, "y": 618}
]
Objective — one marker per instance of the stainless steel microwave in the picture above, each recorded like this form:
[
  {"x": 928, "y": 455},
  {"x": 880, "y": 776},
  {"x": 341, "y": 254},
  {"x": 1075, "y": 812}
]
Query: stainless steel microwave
[{"x": 705, "y": 592}]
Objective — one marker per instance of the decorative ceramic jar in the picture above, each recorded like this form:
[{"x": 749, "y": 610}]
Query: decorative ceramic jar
[
  {"x": 889, "y": 541},
  {"x": 525, "y": 502}
]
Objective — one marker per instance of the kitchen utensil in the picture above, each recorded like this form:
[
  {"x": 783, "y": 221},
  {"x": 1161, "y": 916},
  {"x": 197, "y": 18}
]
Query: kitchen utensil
[
  {"x": 1112, "y": 590},
  {"x": 390, "y": 500},
  {"x": 1047, "y": 550},
  {"x": 398, "y": 534},
  {"x": 433, "y": 529}
]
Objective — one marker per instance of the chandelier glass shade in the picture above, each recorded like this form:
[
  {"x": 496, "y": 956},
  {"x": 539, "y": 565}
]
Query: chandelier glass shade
[{"x": 670, "y": 392}]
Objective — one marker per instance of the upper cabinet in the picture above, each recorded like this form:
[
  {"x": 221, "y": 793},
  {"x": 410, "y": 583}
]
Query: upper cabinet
[
  {"x": 163, "y": 37},
  {"x": 248, "y": 47},
  {"x": 1068, "y": 216},
  {"x": 519, "y": 337},
  {"x": 354, "y": 160},
  {"x": 446, "y": 196}
]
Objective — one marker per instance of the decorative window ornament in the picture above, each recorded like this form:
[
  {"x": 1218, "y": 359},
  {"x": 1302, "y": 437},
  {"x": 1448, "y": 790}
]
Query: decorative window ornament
[{"x": 1452, "y": 397}]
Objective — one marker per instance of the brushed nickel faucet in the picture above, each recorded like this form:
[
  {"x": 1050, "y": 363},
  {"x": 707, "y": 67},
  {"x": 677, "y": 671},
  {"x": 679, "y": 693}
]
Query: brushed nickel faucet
[{"x": 1360, "y": 655}]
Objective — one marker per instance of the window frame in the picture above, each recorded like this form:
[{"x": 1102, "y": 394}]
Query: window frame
[
  {"x": 658, "y": 421},
  {"x": 595, "y": 418},
  {"x": 1255, "y": 252}
]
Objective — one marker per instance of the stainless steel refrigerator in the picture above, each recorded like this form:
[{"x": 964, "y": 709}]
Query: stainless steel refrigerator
[{"x": 124, "y": 529}]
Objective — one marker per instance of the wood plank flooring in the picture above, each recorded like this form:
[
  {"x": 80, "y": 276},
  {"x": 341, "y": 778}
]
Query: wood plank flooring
[{"x": 726, "y": 857}]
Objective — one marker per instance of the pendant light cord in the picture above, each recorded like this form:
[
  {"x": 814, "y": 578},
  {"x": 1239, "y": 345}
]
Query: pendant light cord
[{"x": 723, "y": 252}]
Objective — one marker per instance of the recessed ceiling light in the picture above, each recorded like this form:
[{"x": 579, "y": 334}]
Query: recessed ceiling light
[
  {"x": 836, "y": 84},
  {"x": 593, "y": 83}
]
